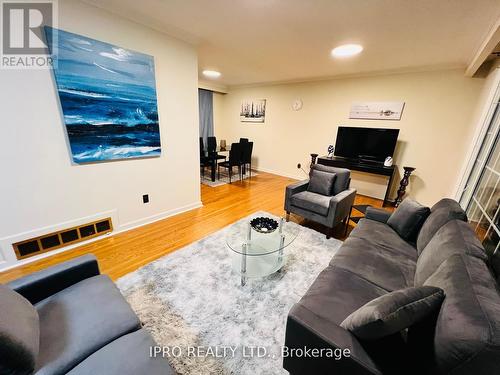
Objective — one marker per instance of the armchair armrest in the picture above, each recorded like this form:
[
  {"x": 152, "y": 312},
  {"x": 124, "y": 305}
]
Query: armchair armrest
[
  {"x": 307, "y": 330},
  {"x": 42, "y": 284},
  {"x": 340, "y": 205},
  {"x": 377, "y": 214},
  {"x": 294, "y": 189}
]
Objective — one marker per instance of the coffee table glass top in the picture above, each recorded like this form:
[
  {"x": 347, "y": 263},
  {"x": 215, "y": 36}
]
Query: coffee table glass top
[
  {"x": 258, "y": 253},
  {"x": 261, "y": 243}
]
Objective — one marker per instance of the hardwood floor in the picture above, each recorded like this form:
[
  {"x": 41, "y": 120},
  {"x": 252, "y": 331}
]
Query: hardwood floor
[{"x": 125, "y": 252}]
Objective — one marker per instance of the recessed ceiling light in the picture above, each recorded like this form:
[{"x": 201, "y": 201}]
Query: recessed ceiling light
[
  {"x": 211, "y": 73},
  {"x": 347, "y": 50}
]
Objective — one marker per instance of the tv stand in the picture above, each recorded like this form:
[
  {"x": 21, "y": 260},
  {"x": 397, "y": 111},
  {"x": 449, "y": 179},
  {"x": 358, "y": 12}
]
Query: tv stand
[
  {"x": 368, "y": 161},
  {"x": 362, "y": 166}
]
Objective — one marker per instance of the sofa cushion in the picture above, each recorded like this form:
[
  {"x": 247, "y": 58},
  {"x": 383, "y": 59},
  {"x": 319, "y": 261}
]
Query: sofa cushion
[
  {"x": 80, "y": 320},
  {"x": 408, "y": 219},
  {"x": 393, "y": 312},
  {"x": 383, "y": 236},
  {"x": 377, "y": 214},
  {"x": 342, "y": 178},
  {"x": 455, "y": 237},
  {"x": 443, "y": 211},
  {"x": 312, "y": 202},
  {"x": 19, "y": 333},
  {"x": 127, "y": 355},
  {"x": 321, "y": 182},
  {"x": 304, "y": 329},
  {"x": 386, "y": 268},
  {"x": 338, "y": 292},
  {"x": 466, "y": 336}
]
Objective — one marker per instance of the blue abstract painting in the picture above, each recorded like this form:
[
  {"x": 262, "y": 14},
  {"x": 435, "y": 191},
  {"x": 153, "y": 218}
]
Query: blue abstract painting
[{"x": 108, "y": 98}]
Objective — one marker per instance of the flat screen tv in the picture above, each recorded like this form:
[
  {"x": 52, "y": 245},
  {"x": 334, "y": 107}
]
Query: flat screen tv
[{"x": 365, "y": 143}]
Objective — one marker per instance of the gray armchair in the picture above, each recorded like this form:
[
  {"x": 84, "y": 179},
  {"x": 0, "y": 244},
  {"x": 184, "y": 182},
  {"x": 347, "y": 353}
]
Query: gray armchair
[
  {"x": 72, "y": 320},
  {"x": 326, "y": 210}
]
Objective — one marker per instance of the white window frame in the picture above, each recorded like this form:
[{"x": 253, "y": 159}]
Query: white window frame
[{"x": 481, "y": 132}]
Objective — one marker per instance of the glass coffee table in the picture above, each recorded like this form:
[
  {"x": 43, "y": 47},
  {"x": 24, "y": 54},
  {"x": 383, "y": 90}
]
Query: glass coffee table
[{"x": 259, "y": 253}]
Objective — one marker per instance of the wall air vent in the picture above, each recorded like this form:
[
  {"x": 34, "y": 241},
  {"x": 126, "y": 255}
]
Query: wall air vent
[{"x": 64, "y": 237}]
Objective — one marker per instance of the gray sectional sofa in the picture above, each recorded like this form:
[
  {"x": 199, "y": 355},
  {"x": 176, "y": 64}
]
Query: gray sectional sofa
[
  {"x": 72, "y": 320},
  {"x": 462, "y": 337}
]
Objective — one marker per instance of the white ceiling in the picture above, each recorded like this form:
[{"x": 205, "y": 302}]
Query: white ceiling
[{"x": 255, "y": 41}]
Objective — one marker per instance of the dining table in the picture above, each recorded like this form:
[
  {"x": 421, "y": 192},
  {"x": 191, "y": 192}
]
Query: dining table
[{"x": 213, "y": 160}]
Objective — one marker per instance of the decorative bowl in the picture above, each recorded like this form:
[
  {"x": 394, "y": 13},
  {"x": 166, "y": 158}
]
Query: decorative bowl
[{"x": 264, "y": 224}]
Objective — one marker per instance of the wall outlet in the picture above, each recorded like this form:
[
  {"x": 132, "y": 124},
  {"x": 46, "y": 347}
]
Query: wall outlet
[{"x": 145, "y": 198}]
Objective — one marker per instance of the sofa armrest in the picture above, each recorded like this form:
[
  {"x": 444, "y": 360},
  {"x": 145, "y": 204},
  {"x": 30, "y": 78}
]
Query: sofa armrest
[
  {"x": 377, "y": 214},
  {"x": 307, "y": 330},
  {"x": 42, "y": 284},
  {"x": 340, "y": 205},
  {"x": 294, "y": 189}
]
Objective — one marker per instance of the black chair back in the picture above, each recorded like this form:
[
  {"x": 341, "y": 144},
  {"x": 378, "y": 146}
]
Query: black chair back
[
  {"x": 235, "y": 154},
  {"x": 202, "y": 148},
  {"x": 211, "y": 144},
  {"x": 243, "y": 140},
  {"x": 246, "y": 154}
]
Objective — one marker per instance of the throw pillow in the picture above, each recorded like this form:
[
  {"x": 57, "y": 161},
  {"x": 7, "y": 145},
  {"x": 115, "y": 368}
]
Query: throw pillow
[
  {"x": 393, "y": 312},
  {"x": 408, "y": 219},
  {"x": 19, "y": 333},
  {"x": 321, "y": 182}
]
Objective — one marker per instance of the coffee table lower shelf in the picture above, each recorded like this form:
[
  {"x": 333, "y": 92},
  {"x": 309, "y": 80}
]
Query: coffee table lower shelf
[{"x": 257, "y": 254}]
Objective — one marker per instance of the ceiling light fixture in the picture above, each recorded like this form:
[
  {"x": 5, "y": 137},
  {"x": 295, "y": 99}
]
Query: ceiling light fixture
[
  {"x": 347, "y": 50},
  {"x": 211, "y": 73}
]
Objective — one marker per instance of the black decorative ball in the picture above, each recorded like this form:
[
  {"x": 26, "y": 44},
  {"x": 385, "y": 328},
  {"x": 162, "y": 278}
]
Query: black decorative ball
[{"x": 264, "y": 224}]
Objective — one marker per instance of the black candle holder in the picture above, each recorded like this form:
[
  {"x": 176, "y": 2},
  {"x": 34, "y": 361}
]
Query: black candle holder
[
  {"x": 313, "y": 159},
  {"x": 403, "y": 184}
]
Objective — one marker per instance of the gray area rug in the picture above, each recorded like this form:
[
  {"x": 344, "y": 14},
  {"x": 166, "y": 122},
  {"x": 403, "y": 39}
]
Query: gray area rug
[
  {"x": 192, "y": 298},
  {"x": 224, "y": 178}
]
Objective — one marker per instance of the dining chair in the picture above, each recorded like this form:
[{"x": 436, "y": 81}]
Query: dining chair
[
  {"x": 246, "y": 157},
  {"x": 212, "y": 149},
  {"x": 202, "y": 149},
  {"x": 234, "y": 161},
  {"x": 243, "y": 140},
  {"x": 204, "y": 160}
]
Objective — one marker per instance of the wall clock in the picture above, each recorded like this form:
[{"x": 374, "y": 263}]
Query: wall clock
[{"x": 297, "y": 104}]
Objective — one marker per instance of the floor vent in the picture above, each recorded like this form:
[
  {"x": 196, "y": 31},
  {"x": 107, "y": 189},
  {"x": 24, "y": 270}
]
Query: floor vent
[{"x": 64, "y": 237}]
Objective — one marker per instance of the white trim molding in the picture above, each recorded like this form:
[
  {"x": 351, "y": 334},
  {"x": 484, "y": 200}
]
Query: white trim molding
[
  {"x": 486, "y": 48},
  {"x": 482, "y": 125},
  {"x": 8, "y": 258},
  {"x": 212, "y": 86},
  {"x": 157, "y": 217},
  {"x": 298, "y": 176}
]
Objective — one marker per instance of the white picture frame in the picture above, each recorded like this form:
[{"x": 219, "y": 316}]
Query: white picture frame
[
  {"x": 377, "y": 110},
  {"x": 253, "y": 110}
]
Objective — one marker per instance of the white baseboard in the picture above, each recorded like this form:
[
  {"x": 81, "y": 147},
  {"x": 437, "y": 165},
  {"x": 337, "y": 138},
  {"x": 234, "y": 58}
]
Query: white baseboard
[
  {"x": 9, "y": 265},
  {"x": 299, "y": 176},
  {"x": 10, "y": 261},
  {"x": 157, "y": 217},
  {"x": 9, "y": 256}
]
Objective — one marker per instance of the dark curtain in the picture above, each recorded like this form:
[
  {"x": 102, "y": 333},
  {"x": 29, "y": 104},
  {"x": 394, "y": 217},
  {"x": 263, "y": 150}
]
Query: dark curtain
[{"x": 205, "y": 101}]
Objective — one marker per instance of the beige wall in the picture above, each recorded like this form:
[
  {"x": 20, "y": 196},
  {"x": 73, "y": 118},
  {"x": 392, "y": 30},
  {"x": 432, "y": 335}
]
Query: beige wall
[
  {"x": 42, "y": 190},
  {"x": 435, "y": 127}
]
